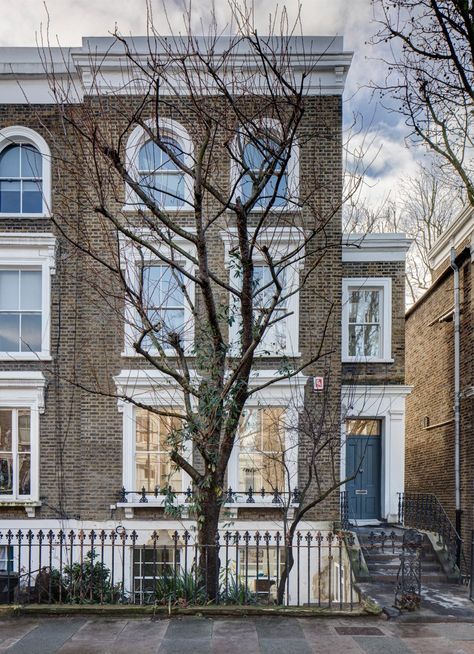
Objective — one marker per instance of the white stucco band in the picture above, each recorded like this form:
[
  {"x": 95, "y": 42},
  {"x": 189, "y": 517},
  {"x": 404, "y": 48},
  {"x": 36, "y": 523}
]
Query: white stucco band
[{"x": 386, "y": 403}]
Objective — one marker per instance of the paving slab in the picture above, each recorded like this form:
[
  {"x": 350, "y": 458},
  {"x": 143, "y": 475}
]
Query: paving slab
[
  {"x": 324, "y": 644},
  {"x": 102, "y": 629},
  {"x": 47, "y": 637},
  {"x": 386, "y": 644},
  {"x": 273, "y": 628},
  {"x": 232, "y": 645},
  {"x": 433, "y": 646},
  {"x": 189, "y": 628},
  {"x": 186, "y": 646},
  {"x": 284, "y": 646}
]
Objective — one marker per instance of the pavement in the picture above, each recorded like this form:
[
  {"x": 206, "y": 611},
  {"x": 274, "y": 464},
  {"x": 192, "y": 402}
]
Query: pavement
[
  {"x": 438, "y": 601},
  {"x": 256, "y": 635}
]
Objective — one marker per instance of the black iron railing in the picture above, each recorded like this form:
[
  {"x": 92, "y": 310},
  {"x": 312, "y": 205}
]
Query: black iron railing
[
  {"x": 139, "y": 567},
  {"x": 425, "y": 511},
  {"x": 344, "y": 510},
  {"x": 250, "y": 496}
]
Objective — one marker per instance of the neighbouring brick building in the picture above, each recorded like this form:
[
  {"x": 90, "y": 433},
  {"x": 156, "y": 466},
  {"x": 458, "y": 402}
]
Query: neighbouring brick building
[
  {"x": 72, "y": 458},
  {"x": 430, "y": 370}
]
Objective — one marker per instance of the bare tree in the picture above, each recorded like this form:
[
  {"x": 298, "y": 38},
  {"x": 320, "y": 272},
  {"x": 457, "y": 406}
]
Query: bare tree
[
  {"x": 430, "y": 82},
  {"x": 423, "y": 209},
  {"x": 156, "y": 256}
]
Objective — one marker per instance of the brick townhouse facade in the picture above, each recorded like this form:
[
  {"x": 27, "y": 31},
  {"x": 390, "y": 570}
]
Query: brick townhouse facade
[
  {"x": 70, "y": 456},
  {"x": 430, "y": 357}
]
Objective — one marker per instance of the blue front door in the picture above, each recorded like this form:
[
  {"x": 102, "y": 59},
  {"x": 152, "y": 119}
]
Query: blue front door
[{"x": 363, "y": 449}]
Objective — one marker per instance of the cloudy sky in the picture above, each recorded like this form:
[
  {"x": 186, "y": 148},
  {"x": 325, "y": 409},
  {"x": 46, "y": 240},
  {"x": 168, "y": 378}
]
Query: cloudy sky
[{"x": 70, "y": 20}]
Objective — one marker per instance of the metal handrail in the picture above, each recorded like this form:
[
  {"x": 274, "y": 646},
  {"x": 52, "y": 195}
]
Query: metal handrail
[{"x": 425, "y": 511}]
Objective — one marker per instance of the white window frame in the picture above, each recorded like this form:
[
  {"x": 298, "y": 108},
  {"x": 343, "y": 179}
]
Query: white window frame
[
  {"x": 131, "y": 261},
  {"x": 17, "y": 134},
  {"x": 138, "y": 138},
  {"x": 31, "y": 251},
  {"x": 289, "y": 395},
  {"x": 25, "y": 390},
  {"x": 152, "y": 389},
  {"x": 384, "y": 286},
  {"x": 292, "y": 169},
  {"x": 280, "y": 240}
]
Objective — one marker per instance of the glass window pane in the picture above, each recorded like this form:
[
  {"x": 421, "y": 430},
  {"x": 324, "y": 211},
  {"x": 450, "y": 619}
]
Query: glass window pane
[
  {"x": 169, "y": 475},
  {"x": 171, "y": 284},
  {"x": 146, "y": 471},
  {"x": 372, "y": 340},
  {"x": 356, "y": 340},
  {"x": 173, "y": 320},
  {"x": 31, "y": 162},
  {"x": 149, "y": 157},
  {"x": 10, "y": 197},
  {"x": 24, "y": 430},
  {"x": 6, "y": 474},
  {"x": 363, "y": 427},
  {"x": 32, "y": 197},
  {"x": 172, "y": 186},
  {"x": 10, "y": 161},
  {"x": 9, "y": 289},
  {"x": 272, "y": 473},
  {"x": 147, "y": 431},
  {"x": 30, "y": 290},
  {"x": 5, "y": 430},
  {"x": 24, "y": 474},
  {"x": 249, "y": 429},
  {"x": 30, "y": 337},
  {"x": 364, "y": 306},
  {"x": 250, "y": 467},
  {"x": 273, "y": 430},
  {"x": 152, "y": 276},
  {"x": 9, "y": 332}
]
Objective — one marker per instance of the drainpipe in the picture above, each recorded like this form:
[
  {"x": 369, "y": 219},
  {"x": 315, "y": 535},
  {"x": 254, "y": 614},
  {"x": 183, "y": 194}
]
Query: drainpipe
[{"x": 457, "y": 393}]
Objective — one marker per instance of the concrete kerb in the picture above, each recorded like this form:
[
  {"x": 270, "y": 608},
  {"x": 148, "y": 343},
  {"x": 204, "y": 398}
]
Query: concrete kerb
[{"x": 165, "y": 611}]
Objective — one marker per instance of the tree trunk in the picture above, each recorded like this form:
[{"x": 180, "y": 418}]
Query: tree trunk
[
  {"x": 289, "y": 561},
  {"x": 208, "y": 549}
]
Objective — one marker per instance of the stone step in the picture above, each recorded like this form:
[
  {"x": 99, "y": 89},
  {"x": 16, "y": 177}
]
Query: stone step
[
  {"x": 395, "y": 567},
  {"x": 427, "y": 578},
  {"x": 389, "y": 556}
]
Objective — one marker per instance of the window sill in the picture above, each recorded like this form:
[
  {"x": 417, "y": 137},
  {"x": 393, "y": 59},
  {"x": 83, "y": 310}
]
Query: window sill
[
  {"x": 132, "y": 354},
  {"x": 366, "y": 360},
  {"x": 137, "y": 208},
  {"x": 25, "y": 215},
  {"x": 30, "y": 506},
  {"x": 25, "y": 356},
  {"x": 152, "y": 503}
]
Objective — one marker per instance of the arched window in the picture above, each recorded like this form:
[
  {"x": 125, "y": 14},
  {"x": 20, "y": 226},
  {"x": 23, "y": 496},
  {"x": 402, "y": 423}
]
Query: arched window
[
  {"x": 157, "y": 169},
  {"x": 259, "y": 158},
  {"x": 160, "y": 176},
  {"x": 261, "y": 162},
  {"x": 25, "y": 173},
  {"x": 21, "y": 179}
]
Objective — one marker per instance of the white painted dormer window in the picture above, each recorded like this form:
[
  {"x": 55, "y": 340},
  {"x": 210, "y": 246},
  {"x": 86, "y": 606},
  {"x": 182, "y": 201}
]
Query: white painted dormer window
[{"x": 367, "y": 320}]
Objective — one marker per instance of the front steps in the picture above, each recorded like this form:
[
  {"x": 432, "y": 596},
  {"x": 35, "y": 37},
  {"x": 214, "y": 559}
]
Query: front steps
[{"x": 381, "y": 548}]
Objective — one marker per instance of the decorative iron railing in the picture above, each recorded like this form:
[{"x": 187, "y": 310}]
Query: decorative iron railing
[
  {"x": 161, "y": 567},
  {"x": 425, "y": 511},
  {"x": 344, "y": 510},
  {"x": 250, "y": 496},
  {"x": 408, "y": 589}
]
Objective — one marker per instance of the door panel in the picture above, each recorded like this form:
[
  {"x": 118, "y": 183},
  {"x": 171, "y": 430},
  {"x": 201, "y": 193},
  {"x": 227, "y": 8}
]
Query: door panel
[{"x": 364, "y": 490}]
